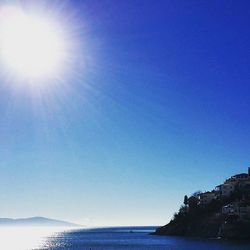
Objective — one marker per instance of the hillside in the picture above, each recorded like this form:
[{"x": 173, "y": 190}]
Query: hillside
[{"x": 223, "y": 212}]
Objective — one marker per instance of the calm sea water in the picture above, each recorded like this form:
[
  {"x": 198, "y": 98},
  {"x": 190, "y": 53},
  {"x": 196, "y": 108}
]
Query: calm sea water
[{"x": 133, "y": 238}]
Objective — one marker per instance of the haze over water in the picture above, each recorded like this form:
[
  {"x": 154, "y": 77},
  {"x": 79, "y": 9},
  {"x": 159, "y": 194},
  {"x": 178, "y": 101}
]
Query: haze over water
[{"x": 24, "y": 238}]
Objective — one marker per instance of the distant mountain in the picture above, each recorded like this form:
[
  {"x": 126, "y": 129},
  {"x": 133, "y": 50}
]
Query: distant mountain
[{"x": 36, "y": 221}]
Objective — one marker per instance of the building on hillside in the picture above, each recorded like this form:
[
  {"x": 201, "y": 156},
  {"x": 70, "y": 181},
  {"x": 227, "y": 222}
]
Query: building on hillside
[
  {"x": 228, "y": 209},
  {"x": 206, "y": 198},
  {"x": 225, "y": 189},
  {"x": 240, "y": 177},
  {"x": 243, "y": 185},
  {"x": 240, "y": 209}
]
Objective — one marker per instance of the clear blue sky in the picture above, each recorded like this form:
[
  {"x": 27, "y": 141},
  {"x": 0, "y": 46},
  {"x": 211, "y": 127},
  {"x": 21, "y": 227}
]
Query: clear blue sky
[{"x": 155, "y": 106}]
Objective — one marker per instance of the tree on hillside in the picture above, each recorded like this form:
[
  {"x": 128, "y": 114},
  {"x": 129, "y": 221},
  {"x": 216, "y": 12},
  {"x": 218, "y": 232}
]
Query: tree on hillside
[
  {"x": 193, "y": 202},
  {"x": 185, "y": 200}
]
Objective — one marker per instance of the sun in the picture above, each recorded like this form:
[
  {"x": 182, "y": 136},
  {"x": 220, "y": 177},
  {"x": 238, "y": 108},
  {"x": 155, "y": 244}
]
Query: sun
[{"x": 30, "y": 46}]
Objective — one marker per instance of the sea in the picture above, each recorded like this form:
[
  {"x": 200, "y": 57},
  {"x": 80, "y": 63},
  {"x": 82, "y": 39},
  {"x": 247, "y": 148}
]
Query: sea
[{"x": 114, "y": 238}]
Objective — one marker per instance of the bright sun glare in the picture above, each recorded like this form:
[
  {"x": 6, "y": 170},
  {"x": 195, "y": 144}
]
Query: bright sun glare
[{"x": 30, "y": 46}]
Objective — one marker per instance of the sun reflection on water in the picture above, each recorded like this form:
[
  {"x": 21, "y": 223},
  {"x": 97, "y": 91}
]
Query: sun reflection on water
[{"x": 26, "y": 238}]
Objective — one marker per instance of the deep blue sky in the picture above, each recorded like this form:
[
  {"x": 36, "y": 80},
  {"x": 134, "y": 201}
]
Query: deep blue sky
[{"x": 156, "y": 106}]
